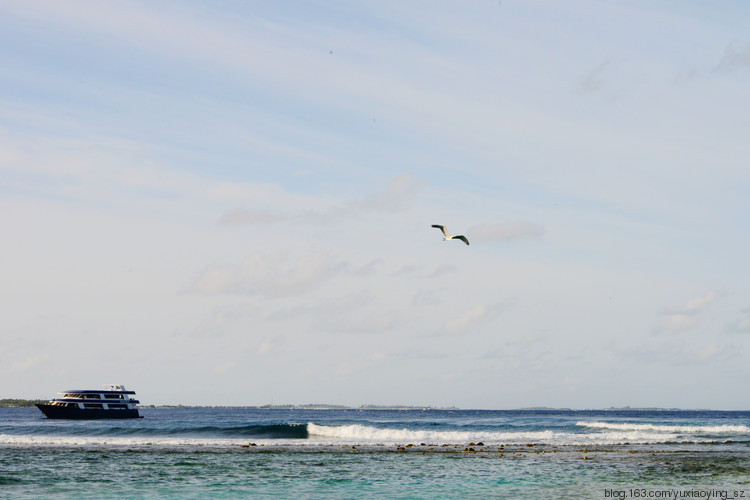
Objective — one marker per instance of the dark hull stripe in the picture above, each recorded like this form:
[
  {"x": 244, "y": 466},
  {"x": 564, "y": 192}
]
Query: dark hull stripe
[
  {"x": 64, "y": 412},
  {"x": 93, "y": 391},
  {"x": 97, "y": 401}
]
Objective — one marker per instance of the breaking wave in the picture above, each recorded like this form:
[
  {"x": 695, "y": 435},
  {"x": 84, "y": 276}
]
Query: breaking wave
[
  {"x": 681, "y": 429},
  {"x": 367, "y": 434},
  {"x": 206, "y": 432}
]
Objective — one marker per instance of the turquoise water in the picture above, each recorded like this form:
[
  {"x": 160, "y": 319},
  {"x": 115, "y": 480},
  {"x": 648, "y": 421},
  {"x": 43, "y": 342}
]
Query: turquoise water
[{"x": 234, "y": 453}]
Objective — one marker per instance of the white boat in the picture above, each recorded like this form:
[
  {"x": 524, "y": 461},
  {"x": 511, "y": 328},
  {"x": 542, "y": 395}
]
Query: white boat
[{"x": 112, "y": 401}]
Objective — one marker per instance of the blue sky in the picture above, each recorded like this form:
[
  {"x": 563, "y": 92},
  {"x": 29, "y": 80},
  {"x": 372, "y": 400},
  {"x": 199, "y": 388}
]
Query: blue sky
[{"x": 231, "y": 203}]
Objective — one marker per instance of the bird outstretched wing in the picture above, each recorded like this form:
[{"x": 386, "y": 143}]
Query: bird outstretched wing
[
  {"x": 442, "y": 228},
  {"x": 462, "y": 238}
]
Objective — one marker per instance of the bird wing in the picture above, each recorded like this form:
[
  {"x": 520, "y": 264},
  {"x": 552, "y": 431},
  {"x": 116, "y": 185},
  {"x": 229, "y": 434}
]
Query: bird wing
[
  {"x": 462, "y": 238},
  {"x": 442, "y": 228}
]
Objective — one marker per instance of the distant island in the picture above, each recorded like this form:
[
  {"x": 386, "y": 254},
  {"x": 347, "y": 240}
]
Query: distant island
[
  {"x": 29, "y": 403},
  {"x": 20, "y": 403},
  {"x": 312, "y": 406},
  {"x": 409, "y": 407},
  {"x": 612, "y": 408}
]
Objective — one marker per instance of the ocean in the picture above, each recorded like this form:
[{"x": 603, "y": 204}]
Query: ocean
[{"x": 356, "y": 453}]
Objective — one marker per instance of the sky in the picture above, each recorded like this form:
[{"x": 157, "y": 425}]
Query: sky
[{"x": 230, "y": 202}]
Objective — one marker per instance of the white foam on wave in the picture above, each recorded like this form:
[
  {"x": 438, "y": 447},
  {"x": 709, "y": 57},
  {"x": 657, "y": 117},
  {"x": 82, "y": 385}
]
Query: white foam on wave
[
  {"x": 94, "y": 441},
  {"x": 678, "y": 429},
  {"x": 363, "y": 434},
  {"x": 606, "y": 433}
]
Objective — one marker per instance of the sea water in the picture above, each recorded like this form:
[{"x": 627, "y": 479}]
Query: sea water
[{"x": 341, "y": 453}]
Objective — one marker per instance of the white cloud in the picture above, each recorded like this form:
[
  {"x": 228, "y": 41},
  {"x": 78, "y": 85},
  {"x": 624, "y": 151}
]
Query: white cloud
[
  {"x": 29, "y": 363},
  {"x": 224, "y": 367},
  {"x": 274, "y": 274},
  {"x": 429, "y": 297},
  {"x": 318, "y": 308},
  {"x": 442, "y": 270},
  {"x": 676, "y": 322},
  {"x": 223, "y": 319},
  {"x": 695, "y": 305},
  {"x": 350, "y": 367},
  {"x": 265, "y": 348},
  {"x": 710, "y": 352},
  {"x": 685, "y": 317},
  {"x": 246, "y": 216},
  {"x": 407, "y": 269},
  {"x": 505, "y": 232},
  {"x": 742, "y": 324},
  {"x": 474, "y": 318},
  {"x": 594, "y": 81},
  {"x": 734, "y": 59},
  {"x": 369, "y": 268},
  {"x": 465, "y": 320},
  {"x": 390, "y": 199},
  {"x": 679, "y": 353},
  {"x": 362, "y": 322}
]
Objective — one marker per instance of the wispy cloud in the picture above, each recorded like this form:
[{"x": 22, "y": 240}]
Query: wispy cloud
[
  {"x": 681, "y": 318},
  {"x": 474, "y": 318},
  {"x": 369, "y": 322},
  {"x": 505, "y": 232},
  {"x": 328, "y": 307},
  {"x": 221, "y": 320},
  {"x": 266, "y": 346},
  {"x": 426, "y": 297},
  {"x": 742, "y": 324},
  {"x": 735, "y": 59},
  {"x": 94, "y": 169},
  {"x": 594, "y": 81},
  {"x": 273, "y": 274},
  {"x": 242, "y": 216},
  {"x": 389, "y": 199},
  {"x": 679, "y": 353},
  {"x": 223, "y": 368},
  {"x": 443, "y": 270},
  {"x": 369, "y": 268},
  {"x": 29, "y": 363},
  {"x": 350, "y": 367}
]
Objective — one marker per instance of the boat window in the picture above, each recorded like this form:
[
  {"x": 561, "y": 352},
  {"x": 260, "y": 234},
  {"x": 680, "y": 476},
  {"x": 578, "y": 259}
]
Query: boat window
[
  {"x": 113, "y": 396},
  {"x": 115, "y": 406},
  {"x": 93, "y": 405},
  {"x": 74, "y": 405}
]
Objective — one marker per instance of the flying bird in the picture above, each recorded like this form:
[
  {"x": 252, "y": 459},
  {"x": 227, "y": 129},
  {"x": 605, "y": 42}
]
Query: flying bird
[{"x": 448, "y": 236}]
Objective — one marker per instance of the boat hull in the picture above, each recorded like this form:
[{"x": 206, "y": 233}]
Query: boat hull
[{"x": 64, "y": 412}]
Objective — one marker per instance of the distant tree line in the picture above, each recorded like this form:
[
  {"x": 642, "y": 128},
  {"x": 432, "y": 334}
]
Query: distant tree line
[{"x": 20, "y": 403}]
